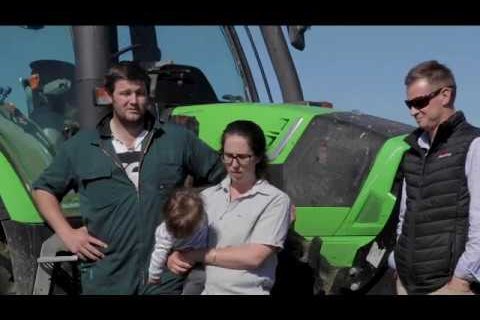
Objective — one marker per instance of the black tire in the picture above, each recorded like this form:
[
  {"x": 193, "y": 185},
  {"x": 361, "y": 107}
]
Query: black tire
[{"x": 7, "y": 284}]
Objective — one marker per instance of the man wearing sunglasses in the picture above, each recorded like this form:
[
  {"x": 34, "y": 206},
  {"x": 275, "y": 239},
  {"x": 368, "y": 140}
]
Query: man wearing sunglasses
[{"x": 438, "y": 235}]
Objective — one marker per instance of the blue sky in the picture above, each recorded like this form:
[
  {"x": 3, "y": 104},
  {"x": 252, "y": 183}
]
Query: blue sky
[
  {"x": 354, "y": 67},
  {"x": 363, "y": 67}
]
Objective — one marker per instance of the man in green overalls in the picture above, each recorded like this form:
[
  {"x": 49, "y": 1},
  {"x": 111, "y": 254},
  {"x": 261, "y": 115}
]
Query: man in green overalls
[{"x": 123, "y": 171}]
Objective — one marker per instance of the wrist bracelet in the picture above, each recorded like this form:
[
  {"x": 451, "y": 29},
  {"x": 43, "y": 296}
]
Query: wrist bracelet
[{"x": 213, "y": 256}]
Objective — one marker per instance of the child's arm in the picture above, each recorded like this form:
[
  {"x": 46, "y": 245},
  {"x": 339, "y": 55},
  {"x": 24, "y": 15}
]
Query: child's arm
[{"x": 163, "y": 244}]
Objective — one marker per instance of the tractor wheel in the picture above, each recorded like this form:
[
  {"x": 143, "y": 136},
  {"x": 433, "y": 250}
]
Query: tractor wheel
[{"x": 7, "y": 284}]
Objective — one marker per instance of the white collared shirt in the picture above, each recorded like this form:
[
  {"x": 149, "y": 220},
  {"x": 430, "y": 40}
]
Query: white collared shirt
[
  {"x": 130, "y": 157},
  {"x": 261, "y": 215}
]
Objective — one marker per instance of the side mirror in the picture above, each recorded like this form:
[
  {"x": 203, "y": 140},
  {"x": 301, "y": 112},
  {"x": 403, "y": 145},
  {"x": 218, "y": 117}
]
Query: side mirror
[
  {"x": 101, "y": 98},
  {"x": 296, "y": 35}
]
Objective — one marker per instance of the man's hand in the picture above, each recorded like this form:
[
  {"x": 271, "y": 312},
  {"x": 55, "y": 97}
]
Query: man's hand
[
  {"x": 82, "y": 244},
  {"x": 293, "y": 214},
  {"x": 455, "y": 286},
  {"x": 178, "y": 263},
  {"x": 459, "y": 285}
]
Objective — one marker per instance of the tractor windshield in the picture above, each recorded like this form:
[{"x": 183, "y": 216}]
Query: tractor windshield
[{"x": 207, "y": 48}]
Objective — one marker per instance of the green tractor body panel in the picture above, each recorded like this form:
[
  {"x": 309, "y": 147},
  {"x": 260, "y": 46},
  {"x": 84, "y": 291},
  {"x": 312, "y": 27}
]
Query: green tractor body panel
[
  {"x": 375, "y": 202},
  {"x": 16, "y": 198},
  {"x": 341, "y": 251},
  {"x": 22, "y": 159},
  {"x": 323, "y": 221},
  {"x": 282, "y": 124},
  {"x": 24, "y": 153},
  {"x": 351, "y": 228}
]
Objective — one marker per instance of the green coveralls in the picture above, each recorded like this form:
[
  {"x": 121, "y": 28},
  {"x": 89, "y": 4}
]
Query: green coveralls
[{"x": 116, "y": 212}]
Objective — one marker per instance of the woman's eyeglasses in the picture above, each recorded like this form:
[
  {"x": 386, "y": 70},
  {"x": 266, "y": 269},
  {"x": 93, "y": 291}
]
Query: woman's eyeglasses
[{"x": 242, "y": 159}]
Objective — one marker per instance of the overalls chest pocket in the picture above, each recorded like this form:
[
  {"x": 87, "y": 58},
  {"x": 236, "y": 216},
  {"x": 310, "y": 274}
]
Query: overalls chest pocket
[
  {"x": 161, "y": 175},
  {"x": 169, "y": 177},
  {"x": 97, "y": 185}
]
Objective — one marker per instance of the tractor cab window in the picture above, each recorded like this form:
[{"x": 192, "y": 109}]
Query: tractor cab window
[
  {"x": 333, "y": 158},
  {"x": 201, "y": 51}
]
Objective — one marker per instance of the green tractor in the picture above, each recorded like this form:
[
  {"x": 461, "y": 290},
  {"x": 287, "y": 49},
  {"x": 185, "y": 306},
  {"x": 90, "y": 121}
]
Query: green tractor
[{"x": 339, "y": 168}]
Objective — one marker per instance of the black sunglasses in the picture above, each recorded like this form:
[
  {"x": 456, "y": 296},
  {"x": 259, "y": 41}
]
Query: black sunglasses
[{"x": 422, "y": 101}]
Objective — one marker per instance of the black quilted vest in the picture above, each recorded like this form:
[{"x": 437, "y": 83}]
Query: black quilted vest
[{"x": 435, "y": 228}]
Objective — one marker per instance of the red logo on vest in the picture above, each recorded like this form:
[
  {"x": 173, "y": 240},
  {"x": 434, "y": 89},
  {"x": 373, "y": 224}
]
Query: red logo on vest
[{"x": 443, "y": 154}]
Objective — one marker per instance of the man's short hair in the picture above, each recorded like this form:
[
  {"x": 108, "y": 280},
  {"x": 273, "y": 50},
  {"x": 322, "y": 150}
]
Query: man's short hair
[
  {"x": 435, "y": 73},
  {"x": 126, "y": 70}
]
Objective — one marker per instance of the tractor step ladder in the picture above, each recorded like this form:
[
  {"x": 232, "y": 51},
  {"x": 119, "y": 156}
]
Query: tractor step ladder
[{"x": 46, "y": 262}]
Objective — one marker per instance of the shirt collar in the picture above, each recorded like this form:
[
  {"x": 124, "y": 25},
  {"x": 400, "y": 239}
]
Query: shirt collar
[
  {"x": 261, "y": 186},
  {"x": 151, "y": 122},
  {"x": 136, "y": 145},
  {"x": 424, "y": 141},
  {"x": 444, "y": 130}
]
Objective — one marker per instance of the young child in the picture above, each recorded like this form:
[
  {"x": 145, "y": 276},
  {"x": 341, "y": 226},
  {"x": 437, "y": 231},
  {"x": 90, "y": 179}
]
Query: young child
[{"x": 185, "y": 226}]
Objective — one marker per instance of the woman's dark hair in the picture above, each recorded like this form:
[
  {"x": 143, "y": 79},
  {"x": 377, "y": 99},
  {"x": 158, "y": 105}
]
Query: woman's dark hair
[
  {"x": 126, "y": 70},
  {"x": 255, "y": 139}
]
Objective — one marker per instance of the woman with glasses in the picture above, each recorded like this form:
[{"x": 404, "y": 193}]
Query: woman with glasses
[{"x": 248, "y": 219}]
